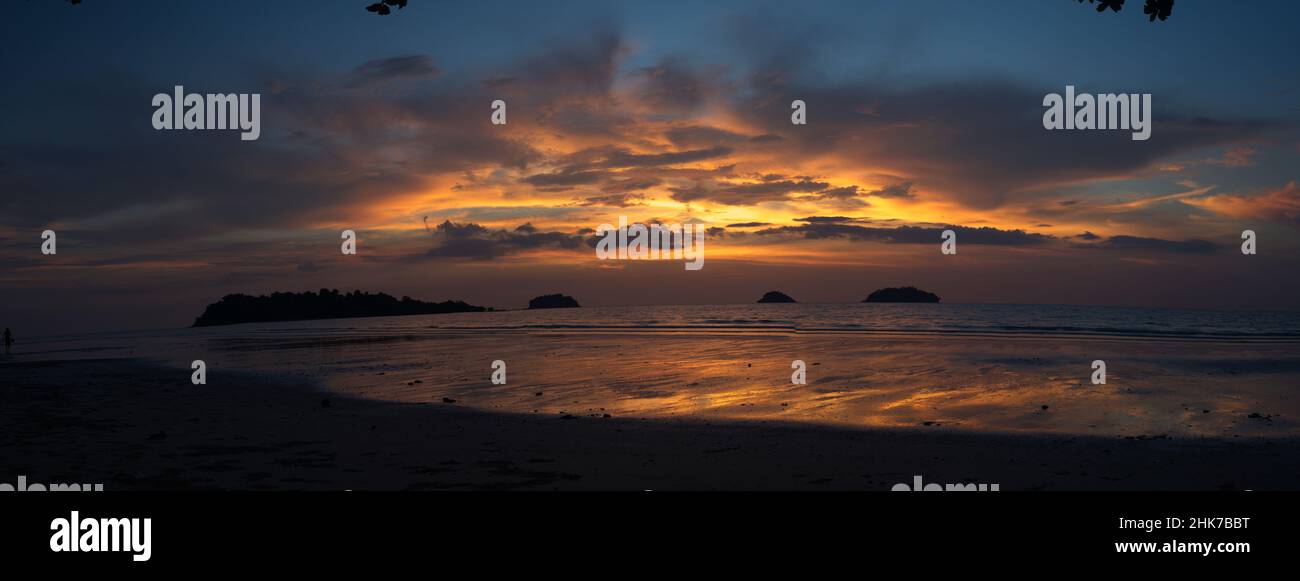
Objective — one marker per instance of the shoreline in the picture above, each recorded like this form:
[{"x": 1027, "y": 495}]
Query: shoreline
[
  {"x": 134, "y": 426},
  {"x": 1290, "y": 337}
]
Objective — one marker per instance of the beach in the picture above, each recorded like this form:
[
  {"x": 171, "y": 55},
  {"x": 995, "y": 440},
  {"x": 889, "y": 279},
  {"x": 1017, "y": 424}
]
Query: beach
[{"x": 658, "y": 409}]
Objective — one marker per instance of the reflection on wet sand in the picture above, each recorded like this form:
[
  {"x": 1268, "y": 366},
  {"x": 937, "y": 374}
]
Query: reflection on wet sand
[{"x": 1003, "y": 384}]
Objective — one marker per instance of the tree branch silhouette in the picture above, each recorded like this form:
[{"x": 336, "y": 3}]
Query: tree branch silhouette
[
  {"x": 1153, "y": 9},
  {"x": 382, "y": 8}
]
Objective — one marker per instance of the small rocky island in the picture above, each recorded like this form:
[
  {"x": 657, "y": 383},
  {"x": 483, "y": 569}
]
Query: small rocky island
[
  {"x": 326, "y": 304},
  {"x": 553, "y": 302},
  {"x": 907, "y": 294},
  {"x": 776, "y": 297}
]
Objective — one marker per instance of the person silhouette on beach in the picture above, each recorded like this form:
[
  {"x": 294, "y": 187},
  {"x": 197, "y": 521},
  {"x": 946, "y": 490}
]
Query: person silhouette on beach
[{"x": 9, "y": 340}]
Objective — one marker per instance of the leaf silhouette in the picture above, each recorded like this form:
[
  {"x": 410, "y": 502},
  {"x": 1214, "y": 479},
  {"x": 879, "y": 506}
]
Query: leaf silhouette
[
  {"x": 382, "y": 8},
  {"x": 1154, "y": 8},
  {"x": 1158, "y": 9},
  {"x": 1102, "y": 5}
]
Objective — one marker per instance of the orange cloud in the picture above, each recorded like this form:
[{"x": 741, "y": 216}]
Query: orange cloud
[{"x": 1282, "y": 204}]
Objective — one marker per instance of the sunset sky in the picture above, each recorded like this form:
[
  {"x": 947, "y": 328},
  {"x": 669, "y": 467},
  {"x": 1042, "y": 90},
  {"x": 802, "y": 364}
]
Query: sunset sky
[{"x": 919, "y": 119}]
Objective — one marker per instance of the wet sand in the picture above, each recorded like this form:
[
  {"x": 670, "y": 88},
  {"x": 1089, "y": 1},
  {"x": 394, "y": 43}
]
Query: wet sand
[
  {"x": 133, "y": 426},
  {"x": 1031, "y": 385}
]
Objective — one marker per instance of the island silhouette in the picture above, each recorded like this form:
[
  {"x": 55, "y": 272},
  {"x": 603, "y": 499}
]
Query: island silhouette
[
  {"x": 776, "y": 297},
  {"x": 907, "y": 294},
  {"x": 556, "y": 301},
  {"x": 331, "y": 304},
  {"x": 326, "y": 304}
]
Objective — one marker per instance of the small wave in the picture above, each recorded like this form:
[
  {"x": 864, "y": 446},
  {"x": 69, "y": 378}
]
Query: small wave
[{"x": 965, "y": 331}]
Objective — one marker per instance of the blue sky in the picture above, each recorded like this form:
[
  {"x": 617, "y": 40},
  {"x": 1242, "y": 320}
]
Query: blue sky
[{"x": 1246, "y": 49}]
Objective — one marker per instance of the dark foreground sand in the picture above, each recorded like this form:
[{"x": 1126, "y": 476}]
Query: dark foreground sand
[{"x": 131, "y": 426}]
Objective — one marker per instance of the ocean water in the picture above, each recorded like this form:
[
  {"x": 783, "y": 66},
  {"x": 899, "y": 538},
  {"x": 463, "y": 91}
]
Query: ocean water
[
  {"x": 956, "y": 320},
  {"x": 1023, "y": 368},
  {"x": 906, "y": 318}
]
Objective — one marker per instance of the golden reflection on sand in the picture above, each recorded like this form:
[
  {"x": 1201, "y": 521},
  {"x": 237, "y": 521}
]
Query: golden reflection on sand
[{"x": 1010, "y": 384}]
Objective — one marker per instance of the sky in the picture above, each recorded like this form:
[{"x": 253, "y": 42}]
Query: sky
[{"x": 921, "y": 117}]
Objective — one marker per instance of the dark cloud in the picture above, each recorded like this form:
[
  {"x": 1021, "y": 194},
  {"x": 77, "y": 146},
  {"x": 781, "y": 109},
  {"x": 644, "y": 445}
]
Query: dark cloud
[
  {"x": 583, "y": 66},
  {"x": 770, "y": 188},
  {"x": 380, "y": 71},
  {"x": 846, "y": 192},
  {"x": 835, "y": 227},
  {"x": 766, "y": 188},
  {"x": 979, "y": 142},
  {"x": 827, "y": 219},
  {"x": 671, "y": 87},
  {"x": 622, "y": 158},
  {"x": 475, "y": 242},
  {"x": 1141, "y": 244},
  {"x": 622, "y": 169},
  {"x": 632, "y": 184},
  {"x": 898, "y": 190},
  {"x": 703, "y": 136},
  {"x": 613, "y": 200},
  {"x": 748, "y": 224},
  {"x": 324, "y": 154},
  {"x": 567, "y": 178},
  {"x": 578, "y": 175},
  {"x": 696, "y": 191}
]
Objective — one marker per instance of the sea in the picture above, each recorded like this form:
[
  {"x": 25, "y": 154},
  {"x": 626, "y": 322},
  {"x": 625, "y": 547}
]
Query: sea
[{"x": 1066, "y": 321}]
